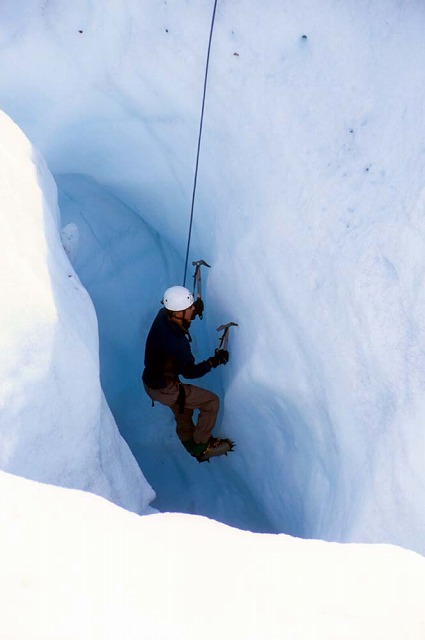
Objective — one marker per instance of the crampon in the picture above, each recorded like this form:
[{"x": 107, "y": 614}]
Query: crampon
[{"x": 216, "y": 447}]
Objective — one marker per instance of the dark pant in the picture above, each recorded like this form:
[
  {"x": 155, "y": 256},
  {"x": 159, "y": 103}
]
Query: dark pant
[{"x": 207, "y": 402}]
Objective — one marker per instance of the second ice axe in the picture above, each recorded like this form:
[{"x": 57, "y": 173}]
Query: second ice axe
[{"x": 224, "y": 338}]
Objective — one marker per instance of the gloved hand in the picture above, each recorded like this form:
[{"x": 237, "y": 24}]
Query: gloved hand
[
  {"x": 199, "y": 308},
  {"x": 221, "y": 356}
]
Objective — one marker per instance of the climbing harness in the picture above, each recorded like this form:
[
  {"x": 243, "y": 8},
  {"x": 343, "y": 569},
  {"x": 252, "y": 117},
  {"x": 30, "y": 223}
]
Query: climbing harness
[
  {"x": 199, "y": 142},
  {"x": 224, "y": 338},
  {"x": 181, "y": 398}
]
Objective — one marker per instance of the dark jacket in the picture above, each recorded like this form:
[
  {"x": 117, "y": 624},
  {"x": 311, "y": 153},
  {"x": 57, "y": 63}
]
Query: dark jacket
[{"x": 168, "y": 354}]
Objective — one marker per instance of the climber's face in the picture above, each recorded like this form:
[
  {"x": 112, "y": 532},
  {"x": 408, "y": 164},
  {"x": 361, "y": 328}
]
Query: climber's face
[{"x": 184, "y": 318}]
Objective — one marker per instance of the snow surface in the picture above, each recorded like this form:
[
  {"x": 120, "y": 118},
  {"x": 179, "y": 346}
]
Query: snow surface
[
  {"x": 310, "y": 207},
  {"x": 76, "y": 566}
]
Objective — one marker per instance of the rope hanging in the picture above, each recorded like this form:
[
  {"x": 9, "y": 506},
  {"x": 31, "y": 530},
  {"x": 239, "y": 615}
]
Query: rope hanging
[{"x": 199, "y": 143}]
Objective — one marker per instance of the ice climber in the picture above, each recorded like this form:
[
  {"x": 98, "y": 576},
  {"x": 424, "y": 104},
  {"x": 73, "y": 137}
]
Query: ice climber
[{"x": 168, "y": 355}]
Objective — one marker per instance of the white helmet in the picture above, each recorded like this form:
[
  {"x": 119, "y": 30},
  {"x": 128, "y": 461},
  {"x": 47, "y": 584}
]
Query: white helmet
[{"x": 177, "y": 299}]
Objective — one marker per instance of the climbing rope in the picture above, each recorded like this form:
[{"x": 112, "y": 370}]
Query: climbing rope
[{"x": 199, "y": 144}]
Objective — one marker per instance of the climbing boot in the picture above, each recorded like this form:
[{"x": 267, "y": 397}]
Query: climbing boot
[
  {"x": 216, "y": 447},
  {"x": 195, "y": 448}
]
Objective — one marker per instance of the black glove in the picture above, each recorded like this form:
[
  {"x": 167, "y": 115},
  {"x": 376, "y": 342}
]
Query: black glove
[
  {"x": 199, "y": 308},
  {"x": 221, "y": 356}
]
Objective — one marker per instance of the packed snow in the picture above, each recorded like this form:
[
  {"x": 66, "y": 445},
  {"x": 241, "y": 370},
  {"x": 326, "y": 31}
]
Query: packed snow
[
  {"x": 75, "y": 566},
  {"x": 310, "y": 208}
]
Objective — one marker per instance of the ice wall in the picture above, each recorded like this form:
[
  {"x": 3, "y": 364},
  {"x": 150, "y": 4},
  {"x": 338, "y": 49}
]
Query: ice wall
[{"x": 55, "y": 424}]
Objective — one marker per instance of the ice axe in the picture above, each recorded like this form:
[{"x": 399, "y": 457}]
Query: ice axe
[
  {"x": 197, "y": 285},
  {"x": 224, "y": 338},
  {"x": 197, "y": 282}
]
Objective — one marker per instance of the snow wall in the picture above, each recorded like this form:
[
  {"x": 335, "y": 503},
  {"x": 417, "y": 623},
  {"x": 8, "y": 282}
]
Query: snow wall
[
  {"x": 55, "y": 426},
  {"x": 310, "y": 206}
]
